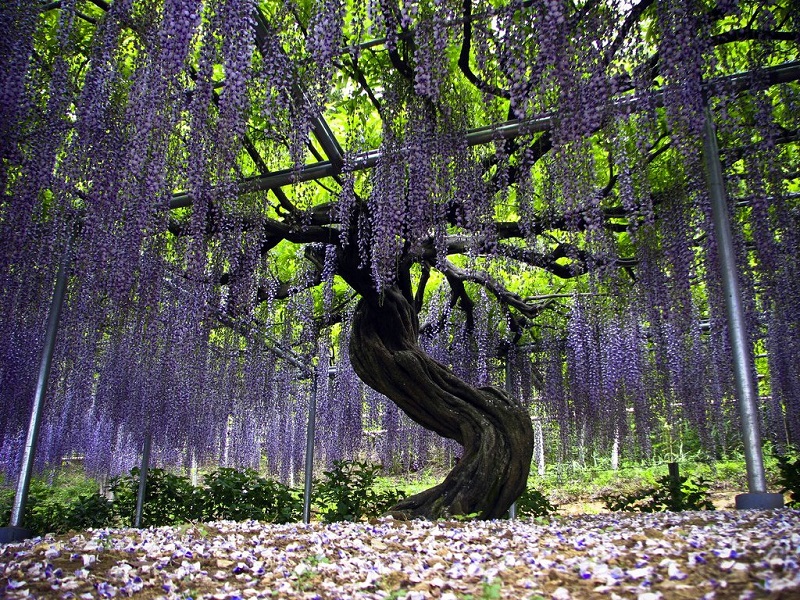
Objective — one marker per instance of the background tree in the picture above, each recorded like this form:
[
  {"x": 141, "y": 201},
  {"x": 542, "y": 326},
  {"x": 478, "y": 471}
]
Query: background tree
[{"x": 237, "y": 172}]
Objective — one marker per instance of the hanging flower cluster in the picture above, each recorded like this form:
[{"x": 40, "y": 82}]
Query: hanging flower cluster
[
  {"x": 610, "y": 385},
  {"x": 98, "y": 131},
  {"x": 198, "y": 391},
  {"x": 682, "y": 62},
  {"x": 325, "y": 40}
]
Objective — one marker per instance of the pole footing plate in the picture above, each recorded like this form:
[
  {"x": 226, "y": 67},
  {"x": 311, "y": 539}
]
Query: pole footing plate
[
  {"x": 759, "y": 500},
  {"x": 9, "y": 535}
]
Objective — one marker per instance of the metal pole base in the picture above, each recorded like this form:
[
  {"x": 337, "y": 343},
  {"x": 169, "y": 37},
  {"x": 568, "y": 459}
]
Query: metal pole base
[
  {"x": 512, "y": 511},
  {"x": 9, "y": 535},
  {"x": 759, "y": 500}
]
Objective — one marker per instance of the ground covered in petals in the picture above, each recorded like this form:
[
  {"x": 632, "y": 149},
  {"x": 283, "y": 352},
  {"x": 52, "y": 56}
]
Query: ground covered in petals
[{"x": 745, "y": 554}]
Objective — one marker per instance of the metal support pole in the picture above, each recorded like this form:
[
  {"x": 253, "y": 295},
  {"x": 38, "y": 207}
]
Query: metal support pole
[
  {"x": 674, "y": 479},
  {"x": 15, "y": 529},
  {"x": 539, "y": 442},
  {"x": 310, "y": 436},
  {"x": 512, "y": 510},
  {"x": 137, "y": 522},
  {"x": 746, "y": 393}
]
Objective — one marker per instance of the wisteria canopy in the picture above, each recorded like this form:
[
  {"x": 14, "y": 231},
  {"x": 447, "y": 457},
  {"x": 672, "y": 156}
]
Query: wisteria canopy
[{"x": 414, "y": 194}]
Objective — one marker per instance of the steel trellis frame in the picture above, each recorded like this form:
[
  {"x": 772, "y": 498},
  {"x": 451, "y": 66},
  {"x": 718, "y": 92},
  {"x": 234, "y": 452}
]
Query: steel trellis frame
[{"x": 784, "y": 73}]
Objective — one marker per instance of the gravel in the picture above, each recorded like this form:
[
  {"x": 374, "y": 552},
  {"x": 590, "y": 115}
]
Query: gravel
[{"x": 719, "y": 555}]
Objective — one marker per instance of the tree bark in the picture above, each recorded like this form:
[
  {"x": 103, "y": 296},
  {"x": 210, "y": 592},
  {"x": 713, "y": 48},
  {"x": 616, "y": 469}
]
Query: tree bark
[{"x": 495, "y": 430}]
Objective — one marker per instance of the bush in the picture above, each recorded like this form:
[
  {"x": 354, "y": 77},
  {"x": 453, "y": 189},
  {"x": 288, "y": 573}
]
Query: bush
[
  {"x": 668, "y": 494},
  {"x": 89, "y": 510},
  {"x": 789, "y": 479},
  {"x": 241, "y": 495},
  {"x": 6, "y": 503},
  {"x": 59, "y": 508},
  {"x": 348, "y": 492},
  {"x": 533, "y": 503},
  {"x": 227, "y": 494},
  {"x": 169, "y": 499},
  {"x": 46, "y": 513}
]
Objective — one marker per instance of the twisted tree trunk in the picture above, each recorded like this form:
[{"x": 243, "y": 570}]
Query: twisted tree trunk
[{"x": 494, "y": 430}]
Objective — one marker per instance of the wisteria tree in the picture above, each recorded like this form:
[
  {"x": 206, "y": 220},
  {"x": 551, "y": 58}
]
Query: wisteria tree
[{"x": 233, "y": 171}]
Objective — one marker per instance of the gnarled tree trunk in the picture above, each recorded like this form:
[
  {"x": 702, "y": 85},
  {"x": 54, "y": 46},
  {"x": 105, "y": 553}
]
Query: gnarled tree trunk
[{"x": 494, "y": 430}]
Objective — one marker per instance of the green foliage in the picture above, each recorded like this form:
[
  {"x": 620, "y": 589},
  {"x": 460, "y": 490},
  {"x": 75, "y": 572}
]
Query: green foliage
[
  {"x": 489, "y": 591},
  {"x": 47, "y": 513},
  {"x": 668, "y": 494},
  {"x": 6, "y": 503},
  {"x": 731, "y": 470},
  {"x": 467, "y": 517},
  {"x": 789, "y": 479},
  {"x": 348, "y": 492},
  {"x": 241, "y": 495},
  {"x": 169, "y": 499},
  {"x": 59, "y": 508},
  {"x": 227, "y": 494},
  {"x": 533, "y": 503},
  {"x": 566, "y": 484},
  {"x": 351, "y": 491}
]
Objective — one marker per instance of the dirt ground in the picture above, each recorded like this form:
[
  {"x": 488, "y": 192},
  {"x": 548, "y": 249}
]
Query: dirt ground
[
  {"x": 713, "y": 555},
  {"x": 722, "y": 500}
]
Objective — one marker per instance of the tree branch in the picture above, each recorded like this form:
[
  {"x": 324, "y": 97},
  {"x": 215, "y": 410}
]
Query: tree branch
[
  {"x": 630, "y": 20},
  {"x": 749, "y": 34},
  {"x": 419, "y": 296},
  {"x": 458, "y": 276},
  {"x": 459, "y": 296},
  {"x": 356, "y": 72},
  {"x": 464, "y": 56}
]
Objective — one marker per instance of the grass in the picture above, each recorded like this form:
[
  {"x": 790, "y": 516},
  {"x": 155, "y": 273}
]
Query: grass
[
  {"x": 582, "y": 486},
  {"x": 576, "y": 489}
]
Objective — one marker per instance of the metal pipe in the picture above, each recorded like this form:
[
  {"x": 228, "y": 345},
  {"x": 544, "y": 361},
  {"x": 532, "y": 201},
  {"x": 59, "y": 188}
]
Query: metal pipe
[
  {"x": 512, "y": 510},
  {"x": 137, "y": 522},
  {"x": 539, "y": 441},
  {"x": 310, "y": 436},
  {"x": 24, "y": 481},
  {"x": 783, "y": 73},
  {"x": 746, "y": 393}
]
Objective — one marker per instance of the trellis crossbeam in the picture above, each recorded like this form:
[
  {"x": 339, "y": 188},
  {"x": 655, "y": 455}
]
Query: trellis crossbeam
[{"x": 783, "y": 73}]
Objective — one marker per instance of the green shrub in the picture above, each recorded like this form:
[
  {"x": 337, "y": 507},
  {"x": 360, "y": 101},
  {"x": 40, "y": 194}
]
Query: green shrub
[
  {"x": 533, "y": 503},
  {"x": 789, "y": 479},
  {"x": 6, "y": 503},
  {"x": 169, "y": 499},
  {"x": 732, "y": 471},
  {"x": 46, "y": 513},
  {"x": 348, "y": 492},
  {"x": 241, "y": 495},
  {"x": 227, "y": 494},
  {"x": 58, "y": 508},
  {"x": 89, "y": 510},
  {"x": 668, "y": 494}
]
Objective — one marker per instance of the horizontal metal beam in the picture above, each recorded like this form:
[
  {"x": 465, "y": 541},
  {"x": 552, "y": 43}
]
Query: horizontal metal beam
[
  {"x": 784, "y": 73},
  {"x": 368, "y": 159},
  {"x": 319, "y": 126}
]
